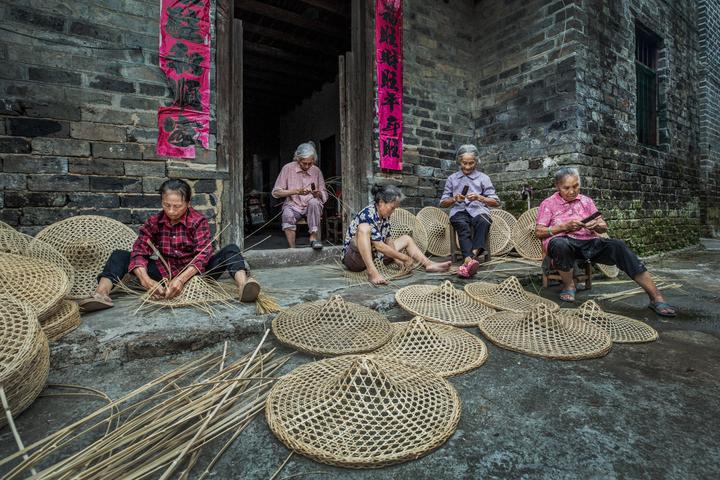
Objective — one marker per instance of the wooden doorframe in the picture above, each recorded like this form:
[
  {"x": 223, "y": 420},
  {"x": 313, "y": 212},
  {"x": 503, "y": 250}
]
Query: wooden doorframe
[{"x": 357, "y": 160}]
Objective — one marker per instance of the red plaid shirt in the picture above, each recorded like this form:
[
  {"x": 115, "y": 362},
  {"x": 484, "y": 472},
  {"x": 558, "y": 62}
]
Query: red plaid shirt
[{"x": 179, "y": 244}]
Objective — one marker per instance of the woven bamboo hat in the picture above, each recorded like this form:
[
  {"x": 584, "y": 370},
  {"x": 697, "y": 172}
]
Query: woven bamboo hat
[
  {"x": 498, "y": 236},
  {"x": 24, "y": 354},
  {"x": 63, "y": 321},
  {"x": 523, "y": 236},
  {"x": 403, "y": 222},
  {"x": 621, "y": 329},
  {"x": 507, "y": 295},
  {"x": 510, "y": 220},
  {"x": 609, "y": 271},
  {"x": 12, "y": 241},
  {"x": 440, "y": 348},
  {"x": 39, "y": 283},
  {"x": 4, "y": 225},
  {"x": 332, "y": 327},
  {"x": 437, "y": 225},
  {"x": 199, "y": 291},
  {"x": 362, "y": 411},
  {"x": 444, "y": 304},
  {"x": 87, "y": 242},
  {"x": 541, "y": 332}
]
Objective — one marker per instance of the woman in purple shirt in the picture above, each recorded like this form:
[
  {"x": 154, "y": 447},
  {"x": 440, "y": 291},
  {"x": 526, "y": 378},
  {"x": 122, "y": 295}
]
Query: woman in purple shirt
[
  {"x": 566, "y": 238},
  {"x": 470, "y": 212}
]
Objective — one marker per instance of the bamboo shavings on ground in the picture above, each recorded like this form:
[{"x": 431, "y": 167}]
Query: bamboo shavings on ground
[
  {"x": 266, "y": 304},
  {"x": 161, "y": 426},
  {"x": 617, "y": 296}
]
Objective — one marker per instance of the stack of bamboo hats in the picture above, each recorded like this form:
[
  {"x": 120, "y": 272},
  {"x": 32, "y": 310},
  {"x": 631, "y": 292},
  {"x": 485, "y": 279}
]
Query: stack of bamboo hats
[
  {"x": 362, "y": 411},
  {"x": 24, "y": 354},
  {"x": 508, "y": 295},
  {"x": 444, "y": 304},
  {"x": 332, "y": 327},
  {"x": 86, "y": 242},
  {"x": 403, "y": 222}
]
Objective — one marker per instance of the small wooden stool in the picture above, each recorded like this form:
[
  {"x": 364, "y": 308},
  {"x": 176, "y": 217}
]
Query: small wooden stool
[
  {"x": 456, "y": 254},
  {"x": 582, "y": 272}
]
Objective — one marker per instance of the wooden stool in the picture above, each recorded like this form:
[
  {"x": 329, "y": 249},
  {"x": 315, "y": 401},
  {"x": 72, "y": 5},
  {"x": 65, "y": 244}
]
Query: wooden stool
[
  {"x": 582, "y": 272},
  {"x": 456, "y": 254},
  {"x": 334, "y": 229}
]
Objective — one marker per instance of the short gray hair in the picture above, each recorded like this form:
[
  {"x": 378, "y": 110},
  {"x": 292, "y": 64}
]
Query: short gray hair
[
  {"x": 565, "y": 172},
  {"x": 305, "y": 150},
  {"x": 386, "y": 193},
  {"x": 465, "y": 150}
]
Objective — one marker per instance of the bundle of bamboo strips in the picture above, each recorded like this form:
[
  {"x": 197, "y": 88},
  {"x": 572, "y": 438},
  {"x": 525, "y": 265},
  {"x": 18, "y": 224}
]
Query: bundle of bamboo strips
[
  {"x": 159, "y": 429},
  {"x": 615, "y": 297}
]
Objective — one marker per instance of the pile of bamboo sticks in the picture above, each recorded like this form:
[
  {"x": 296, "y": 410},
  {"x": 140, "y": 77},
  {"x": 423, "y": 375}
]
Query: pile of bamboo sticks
[{"x": 159, "y": 429}]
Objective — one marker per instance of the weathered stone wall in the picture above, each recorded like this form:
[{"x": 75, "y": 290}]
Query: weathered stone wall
[
  {"x": 438, "y": 94},
  {"x": 79, "y": 88},
  {"x": 709, "y": 70}
]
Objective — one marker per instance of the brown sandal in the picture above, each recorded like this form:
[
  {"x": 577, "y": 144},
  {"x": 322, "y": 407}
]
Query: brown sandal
[
  {"x": 250, "y": 291},
  {"x": 94, "y": 303}
]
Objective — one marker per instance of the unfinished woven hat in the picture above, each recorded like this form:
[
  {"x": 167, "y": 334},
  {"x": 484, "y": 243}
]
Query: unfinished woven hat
[
  {"x": 63, "y": 321},
  {"x": 87, "y": 242},
  {"x": 362, "y": 411},
  {"x": 523, "y": 236},
  {"x": 443, "y": 349},
  {"x": 39, "y": 283},
  {"x": 402, "y": 222},
  {"x": 437, "y": 225},
  {"x": 24, "y": 354},
  {"x": 12, "y": 241},
  {"x": 541, "y": 332},
  {"x": 444, "y": 304},
  {"x": 332, "y": 327},
  {"x": 389, "y": 272},
  {"x": 507, "y": 295},
  {"x": 609, "y": 271},
  {"x": 200, "y": 292},
  {"x": 510, "y": 220},
  {"x": 621, "y": 329}
]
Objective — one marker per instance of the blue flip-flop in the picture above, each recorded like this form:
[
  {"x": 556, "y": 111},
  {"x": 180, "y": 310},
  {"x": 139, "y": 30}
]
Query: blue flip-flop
[
  {"x": 658, "y": 308},
  {"x": 567, "y": 292}
]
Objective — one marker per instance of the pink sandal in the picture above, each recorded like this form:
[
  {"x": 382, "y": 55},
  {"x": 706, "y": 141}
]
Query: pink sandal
[{"x": 467, "y": 270}]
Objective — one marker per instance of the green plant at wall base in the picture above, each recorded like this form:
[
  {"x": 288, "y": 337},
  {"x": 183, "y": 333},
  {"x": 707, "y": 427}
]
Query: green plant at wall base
[{"x": 512, "y": 202}]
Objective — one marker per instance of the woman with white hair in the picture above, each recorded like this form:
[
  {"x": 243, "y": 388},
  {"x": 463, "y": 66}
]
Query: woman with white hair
[
  {"x": 569, "y": 225},
  {"x": 470, "y": 193},
  {"x": 302, "y": 185}
]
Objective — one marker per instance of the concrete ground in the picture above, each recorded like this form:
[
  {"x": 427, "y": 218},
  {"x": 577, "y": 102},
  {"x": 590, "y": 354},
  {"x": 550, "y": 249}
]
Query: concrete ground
[{"x": 642, "y": 411}]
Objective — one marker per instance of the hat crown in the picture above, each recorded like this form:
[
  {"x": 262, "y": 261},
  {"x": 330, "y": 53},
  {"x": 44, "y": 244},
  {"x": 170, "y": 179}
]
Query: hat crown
[
  {"x": 417, "y": 330},
  {"x": 542, "y": 316},
  {"x": 364, "y": 382},
  {"x": 445, "y": 293},
  {"x": 335, "y": 308}
]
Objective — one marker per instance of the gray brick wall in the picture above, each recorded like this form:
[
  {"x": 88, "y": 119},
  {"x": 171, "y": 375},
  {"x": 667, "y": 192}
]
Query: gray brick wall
[
  {"x": 709, "y": 97},
  {"x": 78, "y": 113}
]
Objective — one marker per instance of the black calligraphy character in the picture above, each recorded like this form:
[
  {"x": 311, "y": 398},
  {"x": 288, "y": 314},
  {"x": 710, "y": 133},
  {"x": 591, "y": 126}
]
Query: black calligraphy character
[
  {"x": 392, "y": 125},
  {"x": 390, "y": 17},
  {"x": 390, "y": 100},
  {"x": 388, "y": 79},
  {"x": 182, "y": 132},
  {"x": 187, "y": 94},
  {"x": 183, "y": 24},
  {"x": 387, "y": 35},
  {"x": 181, "y": 62},
  {"x": 389, "y": 58},
  {"x": 390, "y": 147}
]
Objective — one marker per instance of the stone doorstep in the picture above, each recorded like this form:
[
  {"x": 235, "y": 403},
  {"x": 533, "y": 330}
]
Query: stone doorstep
[{"x": 290, "y": 257}]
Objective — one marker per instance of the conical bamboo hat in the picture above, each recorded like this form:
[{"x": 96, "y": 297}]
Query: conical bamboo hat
[
  {"x": 443, "y": 349},
  {"x": 621, "y": 329},
  {"x": 541, "y": 332},
  {"x": 510, "y": 220},
  {"x": 63, "y": 321},
  {"x": 402, "y": 222},
  {"x": 362, "y": 411},
  {"x": 444, "y": 304},
  {"x": 523, "y": 236},
  {"x": 39, "y": 283},
  {"x": 437, "y": 226},
  {"x": 332, "y": 327},
  {"x": 507, "y": 295}
]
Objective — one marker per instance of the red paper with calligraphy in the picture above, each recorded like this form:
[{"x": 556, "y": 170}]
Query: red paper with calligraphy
[
  {"x": 185, "y": 60},
  {"x": 389, "y": 60}
]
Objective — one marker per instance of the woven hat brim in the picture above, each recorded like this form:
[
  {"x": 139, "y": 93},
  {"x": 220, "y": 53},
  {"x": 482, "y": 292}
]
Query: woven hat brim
[
  {"x": 63, "y": 321},
  {"x": 37, "y": 282},
  {"x": 297, "y": 327},
  {"x": 403, "y": 222},
  {"x": 438, "y": 244},
  {"x": 330, "y": 437},
  {"x": 510, "y": 220},
  {"x": 623, "y": 329},
  {"x": 503, "y": 329},
  {"x": 481, "y": 292},
  {"x": 523, "y": 236},
  {"x": 460, "y": 351},
  {"x": 465, "y": 313}
]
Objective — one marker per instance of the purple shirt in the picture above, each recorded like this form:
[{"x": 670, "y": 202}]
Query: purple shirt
[
  {"x": 554, "y": 211},
  {"x": 479, "y": 183},
  {"x": 293, "y": 177}
]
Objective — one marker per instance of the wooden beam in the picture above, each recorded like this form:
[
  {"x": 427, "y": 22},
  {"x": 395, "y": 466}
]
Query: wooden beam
[
  {"x": 234, "y": 234},
  {"x": 223, "y": 77},
  {"x": 286, "y": 16},
  {"x": 294, "y": 40},
  {"x": 336, "y": 7}
]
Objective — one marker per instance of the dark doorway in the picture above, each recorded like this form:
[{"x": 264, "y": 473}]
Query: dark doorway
[{"x": 290, "y": 95}]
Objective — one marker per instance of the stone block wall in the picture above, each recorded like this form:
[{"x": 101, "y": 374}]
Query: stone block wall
[
  {"x": 709, "y": 96},
  {"x": 79, "y": 92}
]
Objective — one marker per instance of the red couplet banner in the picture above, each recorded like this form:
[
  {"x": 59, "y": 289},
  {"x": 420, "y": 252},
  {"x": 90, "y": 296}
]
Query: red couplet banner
[
  {"x": 185, "y": 60},
  {"x": 389, "y": 60}
]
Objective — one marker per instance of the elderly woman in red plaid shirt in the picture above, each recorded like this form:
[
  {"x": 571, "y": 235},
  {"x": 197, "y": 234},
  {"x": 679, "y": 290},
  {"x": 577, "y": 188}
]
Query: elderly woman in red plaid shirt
[{"x": 182, "y": 237}]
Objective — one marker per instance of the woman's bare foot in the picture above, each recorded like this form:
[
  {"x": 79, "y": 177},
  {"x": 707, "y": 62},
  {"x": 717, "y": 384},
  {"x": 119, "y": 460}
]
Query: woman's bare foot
[
  {"x": 376, "y": 279},
  {"x": 435, "y": 267}
]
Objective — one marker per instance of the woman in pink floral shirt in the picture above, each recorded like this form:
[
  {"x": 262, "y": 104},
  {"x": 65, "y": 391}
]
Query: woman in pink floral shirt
[{"x": 566, "y": 239}]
